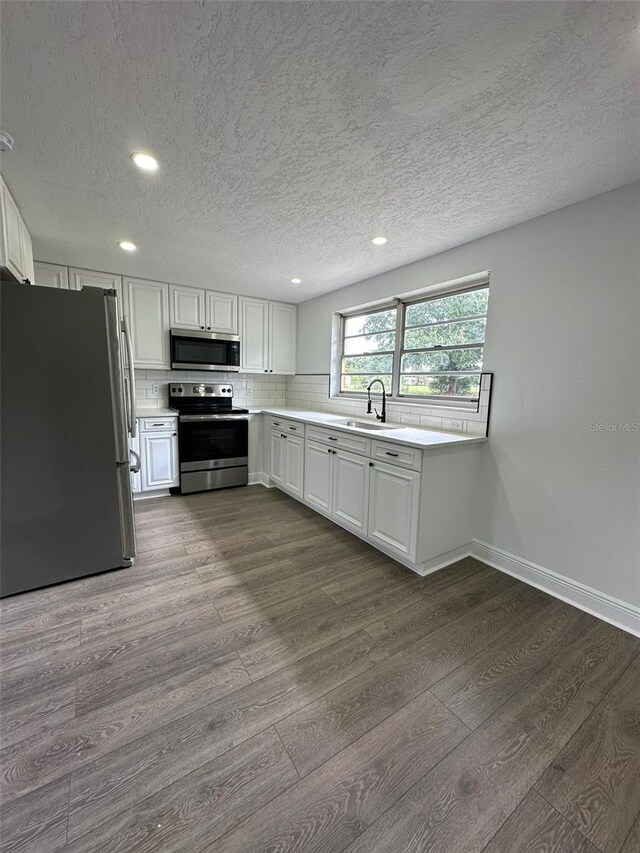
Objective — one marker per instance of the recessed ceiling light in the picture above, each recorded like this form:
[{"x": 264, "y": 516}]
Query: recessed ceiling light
[
  {"x": 145, "y": 162},
  {"x": 296, "y": 281},
  {"x": 379, "y": 241},
  {"x": 127, "y": 246}
]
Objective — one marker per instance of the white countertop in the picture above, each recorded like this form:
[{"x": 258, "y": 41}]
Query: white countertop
[
  {"x": 156, "y": 413},
  {"x": 411, "y": 436}
]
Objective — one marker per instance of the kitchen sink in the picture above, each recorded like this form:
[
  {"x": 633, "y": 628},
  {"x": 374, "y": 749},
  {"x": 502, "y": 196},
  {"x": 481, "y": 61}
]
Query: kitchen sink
[{"x": 364, "y": 424}]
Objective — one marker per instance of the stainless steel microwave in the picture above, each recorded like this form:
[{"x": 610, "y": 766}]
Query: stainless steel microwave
[{"x": 192, "y": 350}]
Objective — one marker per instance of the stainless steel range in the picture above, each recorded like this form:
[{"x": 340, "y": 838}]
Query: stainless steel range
[{"x": 213, "y": 437}]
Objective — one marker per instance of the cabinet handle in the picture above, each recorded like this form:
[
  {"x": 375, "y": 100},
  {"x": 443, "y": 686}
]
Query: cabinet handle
[
  {"x": 175, "y": 433},
  {"x": 202, "y": 327},
  {"x": 276, "y": 423},
  {"x": 282, "y": 435},
  {"x": 331, "y": 438},
  {"x": 157, "y": 424},
  {"x": 391, "y": 454},
  {"x": 370, "y": 464},
  {"x": 293, "y": 428},
  {"x": 328, "y": 450},
  {"x": 271, "y": 371},
  {"x": 334, "y": 452},
  {"x": 208, "y": 328}
]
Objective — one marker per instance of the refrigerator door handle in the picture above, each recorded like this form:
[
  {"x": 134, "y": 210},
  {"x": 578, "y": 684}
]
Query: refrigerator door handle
[
  {"x": 132, "y": 380},
  {"x": 137, "y": 462}
]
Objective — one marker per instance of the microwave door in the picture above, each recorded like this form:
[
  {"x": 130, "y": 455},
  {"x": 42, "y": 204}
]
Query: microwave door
[{"x": 204, "y": 351}]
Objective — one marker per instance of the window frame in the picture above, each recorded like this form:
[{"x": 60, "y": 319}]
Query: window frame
[
  {"x": 401, "y": 305},
  {"x": 379, "y": 309}
]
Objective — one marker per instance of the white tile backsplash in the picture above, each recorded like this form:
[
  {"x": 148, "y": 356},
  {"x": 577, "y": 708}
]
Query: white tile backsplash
[
  {"x": 309, "y": 391},
  {"x": 248, "y": 389}
]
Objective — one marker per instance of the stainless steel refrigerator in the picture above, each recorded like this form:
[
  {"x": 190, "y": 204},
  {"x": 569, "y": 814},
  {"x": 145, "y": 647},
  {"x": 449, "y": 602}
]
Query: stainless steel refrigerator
[{"x": 67, "y": 413}]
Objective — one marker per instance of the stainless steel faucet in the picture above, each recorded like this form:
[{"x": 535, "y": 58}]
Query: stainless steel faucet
[{"x": 381, "y": 417}]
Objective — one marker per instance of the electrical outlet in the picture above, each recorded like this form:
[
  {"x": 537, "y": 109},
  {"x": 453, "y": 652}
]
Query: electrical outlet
[
  {"x": 155, "y": 389},
  {"x": 456, "y": 425}
]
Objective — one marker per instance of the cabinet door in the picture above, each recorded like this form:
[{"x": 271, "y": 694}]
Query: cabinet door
[
  {"x": 318, "y": 476},
  {"x": 350, "y": 497},
  {"x": 78, "y": 279},
  {"x": 11, "y": 226},
  {"x": 27, "y": 252},
  {"x": 159, "y": 460},
  {"x": 277, "y": 458},
  {"x": 394, "y": 498},
  {"x": 187, "y": 307},
  {"x": 254, "y": 321},
  {"x": 282, "y": 338},
  {"x": 294, "y": 464},
  {"x": 222, "y": 312},
  {"x": 51, "y": 275},
  {"x": 148, "y": 309}
]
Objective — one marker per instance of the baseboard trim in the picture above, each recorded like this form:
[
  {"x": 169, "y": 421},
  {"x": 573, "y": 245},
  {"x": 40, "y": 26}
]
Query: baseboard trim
[
  {"x": 599, "y": 604},
  {"x": 258, "y": 479}
]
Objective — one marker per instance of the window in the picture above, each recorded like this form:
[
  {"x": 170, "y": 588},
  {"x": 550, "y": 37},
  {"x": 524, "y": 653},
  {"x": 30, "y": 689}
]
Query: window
[
  {"x": 368, "y": 347},
  {"x": 428, "y": 349}
]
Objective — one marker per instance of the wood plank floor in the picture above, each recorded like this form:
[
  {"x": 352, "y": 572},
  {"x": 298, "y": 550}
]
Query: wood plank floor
[{"x": 261, "y": 680}]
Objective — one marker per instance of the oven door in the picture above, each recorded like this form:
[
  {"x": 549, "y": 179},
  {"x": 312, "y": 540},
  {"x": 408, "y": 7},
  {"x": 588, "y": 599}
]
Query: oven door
[
  {"x": 214, "y": 441},
  {"x": 204, "y": 351}
]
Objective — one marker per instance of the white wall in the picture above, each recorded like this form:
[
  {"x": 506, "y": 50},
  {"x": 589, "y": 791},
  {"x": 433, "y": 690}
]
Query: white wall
[{"x": 563, "y": 339}]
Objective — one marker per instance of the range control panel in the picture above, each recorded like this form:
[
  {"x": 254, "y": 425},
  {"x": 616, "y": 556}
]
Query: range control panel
[{"x": 183, "y": 389}]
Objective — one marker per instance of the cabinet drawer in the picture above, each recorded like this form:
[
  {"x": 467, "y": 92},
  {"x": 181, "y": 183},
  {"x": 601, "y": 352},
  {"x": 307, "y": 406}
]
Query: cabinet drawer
[
  {"x": 289, "y": 427},
  {"x": 397, "y": 454},
  {"x": 340, "y": 440},
  {"x": 153, "y": 424}
]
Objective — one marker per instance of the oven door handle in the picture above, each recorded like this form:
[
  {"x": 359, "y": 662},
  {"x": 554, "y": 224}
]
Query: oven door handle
[{"x": 189, "y": 418}]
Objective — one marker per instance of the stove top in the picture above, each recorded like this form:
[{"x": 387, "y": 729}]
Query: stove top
[{"x": 201, "y": 398}]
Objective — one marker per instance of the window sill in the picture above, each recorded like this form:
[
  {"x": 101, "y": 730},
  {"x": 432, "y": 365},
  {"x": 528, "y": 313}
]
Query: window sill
[{"x": 410, "y": 401}]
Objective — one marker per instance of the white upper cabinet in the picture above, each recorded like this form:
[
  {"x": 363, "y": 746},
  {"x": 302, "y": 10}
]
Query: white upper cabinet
[
  {"x": 16, "y": 253},
  {"x": 79, "y": 279},
  {"x": 50, "y": 275},
  {"x": 282, "y": 338},
  {"x": 148, "y": 310},
  {"x": 187, "y": 307},
  {"x": 267, "y": 336},
  {"x": 222, "y": 312},
  {"x": 195, "y": 308},
  {"x": 254, "y": 331}
]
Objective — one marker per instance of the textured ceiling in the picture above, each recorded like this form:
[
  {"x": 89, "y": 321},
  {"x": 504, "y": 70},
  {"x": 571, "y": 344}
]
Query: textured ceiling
[{"x": 290, "y": 134}]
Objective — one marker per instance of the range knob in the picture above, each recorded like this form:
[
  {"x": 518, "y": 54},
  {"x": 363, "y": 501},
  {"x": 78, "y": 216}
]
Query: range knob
[{"x": 180, "y": 389}]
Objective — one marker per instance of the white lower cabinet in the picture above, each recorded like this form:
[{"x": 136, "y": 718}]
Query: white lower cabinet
[
  {"x": 394, "y": 501},
  {"x": 287, "y": 462},
  {"x": 350, "y": 490},
  {"x": 159, "y": 453},
  {"x": 277, "y": 458},
  {"x": 337, "y": 483},
  {"x": 318, "y": 470}
]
